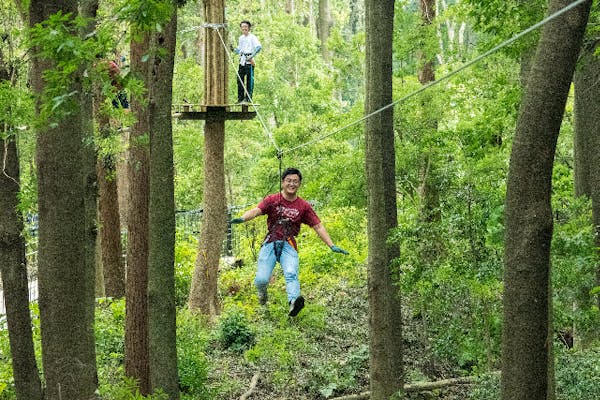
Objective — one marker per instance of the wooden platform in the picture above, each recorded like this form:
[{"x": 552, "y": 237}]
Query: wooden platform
[{"x": 212, "y": 112}]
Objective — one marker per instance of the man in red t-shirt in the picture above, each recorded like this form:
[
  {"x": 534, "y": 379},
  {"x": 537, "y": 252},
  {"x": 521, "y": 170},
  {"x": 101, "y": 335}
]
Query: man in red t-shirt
[{"x": 285, "y": 213}]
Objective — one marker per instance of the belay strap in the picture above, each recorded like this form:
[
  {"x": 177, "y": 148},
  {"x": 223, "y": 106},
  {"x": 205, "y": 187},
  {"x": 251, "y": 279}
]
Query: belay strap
[{"x": 278, "y": 248}]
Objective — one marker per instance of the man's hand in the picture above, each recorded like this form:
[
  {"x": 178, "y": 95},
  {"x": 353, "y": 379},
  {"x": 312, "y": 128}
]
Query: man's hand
[
  {"x": 336, "y": 249},
  {"x": 237, "y": 220}
]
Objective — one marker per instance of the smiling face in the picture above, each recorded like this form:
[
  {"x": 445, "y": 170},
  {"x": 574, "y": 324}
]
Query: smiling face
[
  {"x": 245, "y": 28},
  {"x": 290, "y": 185}
]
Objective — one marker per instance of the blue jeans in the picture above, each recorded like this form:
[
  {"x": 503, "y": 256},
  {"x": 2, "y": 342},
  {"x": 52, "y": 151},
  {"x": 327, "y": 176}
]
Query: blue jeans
[{"x": 289, "y": 265}]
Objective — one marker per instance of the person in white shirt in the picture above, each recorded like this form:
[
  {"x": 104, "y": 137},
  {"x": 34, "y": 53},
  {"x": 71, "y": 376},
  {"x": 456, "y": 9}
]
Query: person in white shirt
[{"x": 248, "y": 47}]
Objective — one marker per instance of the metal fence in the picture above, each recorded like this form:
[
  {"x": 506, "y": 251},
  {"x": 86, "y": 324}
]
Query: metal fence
[{"x": 187, "y": 223}]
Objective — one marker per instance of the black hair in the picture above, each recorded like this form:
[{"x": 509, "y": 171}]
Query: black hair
[
  {"x": 291, "y": 171},
  {"x": 246, "y": 22}
]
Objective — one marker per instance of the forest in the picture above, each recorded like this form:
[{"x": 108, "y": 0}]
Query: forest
[{"x": 448, "y": 147}]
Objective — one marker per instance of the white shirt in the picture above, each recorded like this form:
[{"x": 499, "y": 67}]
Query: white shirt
[{"x": 247, "y": 44}]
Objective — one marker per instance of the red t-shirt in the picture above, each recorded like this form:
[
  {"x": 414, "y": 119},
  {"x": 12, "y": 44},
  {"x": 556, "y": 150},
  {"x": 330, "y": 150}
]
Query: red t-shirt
[{"x": 285, "y": 217}]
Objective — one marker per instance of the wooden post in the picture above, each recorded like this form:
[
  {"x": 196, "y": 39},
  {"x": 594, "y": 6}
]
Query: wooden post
[
  {"x": 215, "y": 57},
  {"x": 203, "y": 293}
]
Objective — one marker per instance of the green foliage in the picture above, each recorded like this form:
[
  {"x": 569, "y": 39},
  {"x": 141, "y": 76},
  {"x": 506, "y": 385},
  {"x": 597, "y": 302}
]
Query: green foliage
[
  {"x": 146, "y": 15},
  {"x": 332, "y": 377},
  {"x": 16, "y": 108},
  {"x": 110, "y": 331},
  {"x": 276, "y": 351},
  {"x": 486, "y": 387},
  {"x": 188, "y": 142},
  {"x": 234, "y": 331},
  {"x": 577, "y": 377},
  {"x": 573, "y": 262},
  {"x": 126, "y": 389},
  {"x": 346, "y": 226},
  {"x": 503, "y": 19},
  {"x": 7, "y": 389},
  {"x": 188, "y": 82},
  {"x": 578, "y": 374},
  {"x": 193, "y": 364},
  {"x": 58, "y": 42},
  {"x": 110, "y": 348},
  {"x": 7, "y": 384},
  {"x": 185, "y": 256}
]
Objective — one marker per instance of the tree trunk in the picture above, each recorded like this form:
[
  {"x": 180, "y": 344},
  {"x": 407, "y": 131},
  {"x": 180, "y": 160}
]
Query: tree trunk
[
  {"x": 587, "y": 141},
  {"x": 88, "y": 9},
  {"x": 356, "y": 16},
  {"x": 109, "y": 263},
  {"x": 529, "y": 224},
  {"x": 203, "y": 293},
  {"x": 111, "y": 249},
  {"x": 587, "y": 119},
  {"x": 161, "y": 258},
  {"x": 428, "y": 188},
  {"x": 66, "y": 296},
  {"x": 13, "y": 269},
  {"x": 385, "y": 322},
  {"x": 324, "y": 24},
  {"x": 136, "y": 323}
]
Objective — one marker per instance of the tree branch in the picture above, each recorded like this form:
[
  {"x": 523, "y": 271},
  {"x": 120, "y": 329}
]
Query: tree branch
[
  {"x": 250, "y": 390},
  {"x": 417, "y": 387}
]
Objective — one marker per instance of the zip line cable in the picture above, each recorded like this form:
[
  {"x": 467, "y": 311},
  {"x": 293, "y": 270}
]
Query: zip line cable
[
  {"x": 488, "y": 53},
  {"x": 445, "y": 77},
  {"x": 232, "y": 61}
]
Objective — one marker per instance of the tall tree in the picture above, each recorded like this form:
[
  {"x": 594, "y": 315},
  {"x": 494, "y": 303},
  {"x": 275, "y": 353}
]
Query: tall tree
[
  {"x": 66, "y": 295},
  {"x": 324, "y": 24},
  {"x": 428, "y": 188},
  {"x": 111, "y": 249},
  {"x": 203, "y": 294},
  {"x": 13, "y": 266},
  {"x": 587, "y": 137},
  {"x": 385, "y": 319},
  {"x": 103, "y": 202},
  {"x": 161, "y": 257},
  {"x": 136, "y": 304},
  {"x": 528, "y": 215},
  {"x": 88, "y": 9}
]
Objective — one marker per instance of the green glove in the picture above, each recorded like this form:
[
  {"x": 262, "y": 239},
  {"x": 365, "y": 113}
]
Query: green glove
[
  {"x": 336, "y": 249},
  {"x": 237, "y": 220}
]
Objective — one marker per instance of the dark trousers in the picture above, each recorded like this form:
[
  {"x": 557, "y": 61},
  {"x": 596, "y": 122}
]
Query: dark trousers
[{"x": 246, "y": 77}]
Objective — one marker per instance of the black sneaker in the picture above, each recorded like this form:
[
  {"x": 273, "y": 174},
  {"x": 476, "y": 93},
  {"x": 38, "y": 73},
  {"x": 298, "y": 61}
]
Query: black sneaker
[
  {"x": 296, "y": 305},
  {"x": 262, "y": 298}
]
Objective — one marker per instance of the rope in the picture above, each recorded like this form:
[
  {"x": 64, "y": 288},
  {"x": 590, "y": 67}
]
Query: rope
[
  {"x": 445, "y": 77},
  {"x": 233, "y": 62}
]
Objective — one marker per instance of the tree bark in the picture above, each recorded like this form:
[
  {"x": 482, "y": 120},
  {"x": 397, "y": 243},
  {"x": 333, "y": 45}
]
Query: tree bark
[
  {"x": 385, "y": 322},
  {"x": 428, "y": 188},
  {"x": 66, "y": 295},
  {"x": 587, "y": 140},
  {"x": 324, "y": 24},
  {"x": 203, "y": 293},
  {"x": 111, "y": 249},
  {"x": 587, "y": 120},
  {"x": 111, "y": 269},
  {"x": 136, "y": 305},
  {"x": 529, "y": 224},
  {"x": 161, "y": 257},
  {"x": 88, "y": 9},
  {"x": 13, "y": 269}
]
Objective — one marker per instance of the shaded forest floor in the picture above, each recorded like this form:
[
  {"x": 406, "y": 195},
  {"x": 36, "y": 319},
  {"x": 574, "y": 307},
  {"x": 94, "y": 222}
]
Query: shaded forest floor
[{"x": 322, "y": 353}]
